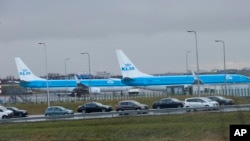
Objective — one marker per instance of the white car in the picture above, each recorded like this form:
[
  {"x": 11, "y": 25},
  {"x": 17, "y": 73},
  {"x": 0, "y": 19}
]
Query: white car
[
  {"x": 199, "y": 102},
  {"x": 5, "y": 111},
  {"x": 3, "y": 114}
]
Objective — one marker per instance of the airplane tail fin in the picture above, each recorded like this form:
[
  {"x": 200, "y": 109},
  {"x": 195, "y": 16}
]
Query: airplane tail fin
[
  {"x": 24, "y": 72},
  {"x": 127, "y": 68},
  {"x": 194, "y": 75}
]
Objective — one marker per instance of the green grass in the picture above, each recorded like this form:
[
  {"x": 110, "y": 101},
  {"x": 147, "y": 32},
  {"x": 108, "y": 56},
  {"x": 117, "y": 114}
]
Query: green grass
[{"x": 188, "y": 127}]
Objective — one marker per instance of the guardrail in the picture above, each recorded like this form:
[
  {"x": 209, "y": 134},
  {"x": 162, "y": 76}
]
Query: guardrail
[{"x": 114, "y": 114}]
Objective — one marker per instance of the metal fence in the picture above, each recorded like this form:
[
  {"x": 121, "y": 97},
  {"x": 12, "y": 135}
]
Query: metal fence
[{"x": 242, "y": 90}]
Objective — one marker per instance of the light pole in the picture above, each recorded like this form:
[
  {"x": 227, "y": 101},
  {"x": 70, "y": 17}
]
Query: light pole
[
  {"x": 47, "y": 76},
  {"x": 224, "y": 56},
  {"x": 187, "y": 59},
  {"x": 65, "y": 67},
  {"x": 197, "y": 61},
  {"x": 89, "y": 72}
]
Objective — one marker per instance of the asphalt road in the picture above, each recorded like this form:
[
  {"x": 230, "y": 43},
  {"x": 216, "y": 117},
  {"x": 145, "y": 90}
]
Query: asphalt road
[{"x": 114, "y": 114}]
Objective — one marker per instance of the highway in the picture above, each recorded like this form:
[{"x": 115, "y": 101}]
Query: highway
[{"x": 114, "y": 114}]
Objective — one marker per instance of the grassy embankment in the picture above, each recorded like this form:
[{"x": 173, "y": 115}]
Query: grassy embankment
[{"x": 188, "y": 127}]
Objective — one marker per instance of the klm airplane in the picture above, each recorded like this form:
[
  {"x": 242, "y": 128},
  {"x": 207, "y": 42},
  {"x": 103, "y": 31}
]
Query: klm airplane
[
  {"x": 30, "y": 80},
  {"x": 132, "y": 76}
]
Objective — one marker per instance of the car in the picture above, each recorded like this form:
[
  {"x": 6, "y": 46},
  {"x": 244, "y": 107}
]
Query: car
[
  {"x": 168, "y": 103},
  {"x": 222, "y": 100},
  {"x": 3, "y": 114},
  {"x": 18, "y": 112},
  {"x": 9, "y": 112},
  {"x": 58, "y": 110},
  {"x": 199, "y": 102},
  {"x": 94, "y": 107},
  {"x": 130, "y": 105}
]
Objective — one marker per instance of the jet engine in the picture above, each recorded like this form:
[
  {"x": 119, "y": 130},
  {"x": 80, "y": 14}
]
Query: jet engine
[{"x": 95, "y": 90}]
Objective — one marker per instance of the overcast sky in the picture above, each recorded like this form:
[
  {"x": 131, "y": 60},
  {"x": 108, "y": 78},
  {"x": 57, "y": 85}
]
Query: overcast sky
[{"x": 152, "y": 33}]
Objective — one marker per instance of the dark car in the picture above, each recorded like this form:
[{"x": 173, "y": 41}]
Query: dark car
[
  {"x": 94, "y": 107},
  {"x": 18, "y": 112},
  {"x": 130, "y": 105},
  {"x": 58, "y": 110},
  {"x": 168, "y": 103},
  {"x": 222, "y": 100}
]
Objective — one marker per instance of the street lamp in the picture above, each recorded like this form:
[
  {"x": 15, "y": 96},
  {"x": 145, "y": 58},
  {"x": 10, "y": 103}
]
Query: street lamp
[
  {"x": 47, "y": 83},
  {"x": 89, "y": 71},
  {"x": 224, "y": 56},
  {"x": 65, "y": 67},
  {"x": 187, "y": 59},
  {"x": 197, "y": 61}
]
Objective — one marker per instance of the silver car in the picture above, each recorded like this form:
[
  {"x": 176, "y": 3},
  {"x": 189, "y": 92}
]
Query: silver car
[
  {"x": 57, "y": 110},
  {"x": 199, "y": 102},
  {"x": 131, "y": 105}
]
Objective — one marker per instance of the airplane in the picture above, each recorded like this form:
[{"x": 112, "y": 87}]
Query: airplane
[
  {"x": 134, "y": 77},
  {"x": 29, "y": 80},
  {"x": 105, "y": 85}
]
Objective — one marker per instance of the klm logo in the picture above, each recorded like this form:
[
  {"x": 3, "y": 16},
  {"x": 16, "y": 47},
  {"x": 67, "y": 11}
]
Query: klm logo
[
  {"x": 25, "y": 72},
  {"x": 128, "y": 67}
]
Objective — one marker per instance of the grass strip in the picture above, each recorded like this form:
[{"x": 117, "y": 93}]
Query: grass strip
[{"x": 189, "y": 127}]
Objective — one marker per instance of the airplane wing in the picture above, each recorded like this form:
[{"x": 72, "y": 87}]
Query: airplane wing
[
  {"x": 127, "y": 79},
  {"x": 80, "y": 88},
  {"x": 23, "y": 81}
]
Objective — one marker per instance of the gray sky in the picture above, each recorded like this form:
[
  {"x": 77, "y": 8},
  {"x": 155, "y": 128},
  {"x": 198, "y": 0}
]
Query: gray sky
[{"x": 152, "y": 33}]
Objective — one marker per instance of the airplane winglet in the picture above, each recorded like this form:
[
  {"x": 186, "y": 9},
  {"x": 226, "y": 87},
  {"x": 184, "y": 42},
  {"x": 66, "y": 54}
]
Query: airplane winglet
[
  {"x": 194, "y": 75},
  {"x": 79, "y": 84},
  {"x": 196, "y": 79},
  {"x": 77, "y": 80}
]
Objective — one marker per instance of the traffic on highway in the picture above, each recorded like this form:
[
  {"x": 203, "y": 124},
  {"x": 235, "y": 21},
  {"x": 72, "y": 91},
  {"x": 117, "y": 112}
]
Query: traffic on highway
[{"x": 93, "y": 109}]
